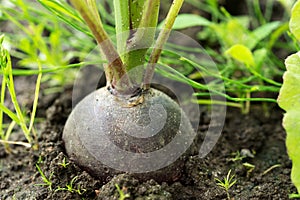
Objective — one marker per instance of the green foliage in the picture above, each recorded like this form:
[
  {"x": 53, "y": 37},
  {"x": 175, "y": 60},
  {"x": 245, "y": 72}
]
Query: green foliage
[
  {"x": 227, "y": 183},
  {"x": 243, "y": 81},
  {"x": 188, "y": 20},
  {"x": 18, "y": 117},
  {"x": 39, "y": 38},
  {"x": 48, "y": 183},
  {"x": 122, "y": 196},
  {"x": 66, "y": 13},
  {"x": 242, "y": 54},
  {"x": 64, "y": 163},
  {"x": 70, "y": 187},
  {"x": 243, "y": 49},
  {"x": 294, "y": 22},
  {"x": 294, "y": 196},
  {"x": 289, "y": 100},
  {"x": 46, "y": 180}
]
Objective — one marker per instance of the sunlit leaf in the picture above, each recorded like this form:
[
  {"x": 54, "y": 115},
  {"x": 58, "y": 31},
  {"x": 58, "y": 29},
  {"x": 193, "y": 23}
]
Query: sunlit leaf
[
  {"x": 242, "y": 54},
  {"x": 295, "y": 20},
  {"x": 289, "y": 100}
]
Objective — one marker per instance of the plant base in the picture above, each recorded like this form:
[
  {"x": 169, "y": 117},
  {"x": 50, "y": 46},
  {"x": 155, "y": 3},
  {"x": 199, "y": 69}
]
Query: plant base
[{"x": 150, "y": 140}]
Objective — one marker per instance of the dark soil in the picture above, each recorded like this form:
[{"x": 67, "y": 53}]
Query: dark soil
[
  {"x": 254, "y": 135},
  {"x": 259, "y": 138}
]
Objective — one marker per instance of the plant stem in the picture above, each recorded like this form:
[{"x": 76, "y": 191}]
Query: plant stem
[
  {"x": 114, "y": 71},
  {"x": 2, "y": 98},
  {"x": 12, "y": 92},
  {"x": 141, "y": 37},
  {"x": 122, "y": 21},
  {"x": 161, "y": 40}
]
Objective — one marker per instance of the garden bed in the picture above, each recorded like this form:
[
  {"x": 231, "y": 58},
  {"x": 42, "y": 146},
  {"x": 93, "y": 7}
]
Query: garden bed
[
  {"x": 252, "y": 135},
  {"x": 251, "y": 147}
]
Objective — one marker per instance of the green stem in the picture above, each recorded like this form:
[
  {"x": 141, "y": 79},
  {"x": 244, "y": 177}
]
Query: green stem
[
  {"x": 11, "y": 89},
  {"x": 115, "y": 71},
  {"x": 36, "y": 97},
  {"x": 258, "y": 12},
  {"x": 122, "y": 20},
  {"x": 141, "y": 38},
  {"x": 161, "y": 40},
  {"x": 2, "y": 98},
  {"x": 2, "y": 103}
]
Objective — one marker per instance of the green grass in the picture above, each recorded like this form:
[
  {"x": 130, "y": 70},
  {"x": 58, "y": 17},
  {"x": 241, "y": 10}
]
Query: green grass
[
  {"x": 46, "y": 180},
  {"x": 38, "y": 37},
  {"x": 70, "y": 187},
  {"x": 17, "y": 116},
  {"x": 244, "y": 49}
]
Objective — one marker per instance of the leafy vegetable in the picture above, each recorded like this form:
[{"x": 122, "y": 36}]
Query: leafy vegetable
[
  {"x": 295, "y": 21},
  {"x": 289, "y": 100}
]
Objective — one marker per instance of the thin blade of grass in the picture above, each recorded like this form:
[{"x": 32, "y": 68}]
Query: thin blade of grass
[
  {"x": 67, "y": 14},
  {"x": 36, "y": 97},
  {"x": 12, "y": 115}
]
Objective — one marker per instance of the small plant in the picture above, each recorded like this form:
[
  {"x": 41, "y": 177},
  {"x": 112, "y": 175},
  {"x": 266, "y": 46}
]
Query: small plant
[
  {"x": 227, "y": 183},
  {"x": 64, "y": 164},
  {"x": 245, "y": 56},
  {"x": 47, "y": 181},
  {"x": 289, "y": 100},
  {"x": 69, "y": 187},
  {"x": 18, "y": 117},
  {"x": 250, "y": 167},
  {"x": 39, "y": 38},
  {"x": 294, "y": 196},
  {"x": 122, "y": 196},
  {"x": 127, "y": 95},
  {"x": 240, "y": 155},
  {"x": 237, "y": 156}
]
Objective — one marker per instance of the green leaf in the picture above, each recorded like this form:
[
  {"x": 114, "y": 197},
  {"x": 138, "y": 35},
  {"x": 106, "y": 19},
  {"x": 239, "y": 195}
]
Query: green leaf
[
  {"x": 12, "y": 115},
  {"x": 259, "y": 56},
  {"x": 188, "y": 20},
  {"x": 1, "y": 39},
  {"x": 122, "y": 20},
  {"x": 234, "y": 31},
  {"x": 295, "y": 20},
  {"x": 60, "y": 9},
  {"x": 262, "y": 32},
  {"x": 289, "y": 100},
  {"x": 291, "y": 124},
  {"x": 242, "y": 54},
  {"x": 66, "y": 13},
  {"x": 265, "y": 30}
]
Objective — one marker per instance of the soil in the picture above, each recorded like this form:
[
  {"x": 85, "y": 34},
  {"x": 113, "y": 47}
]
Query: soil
[
  {"x": 262, "y": 171},
  {"x": 258, "y": 137}
]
